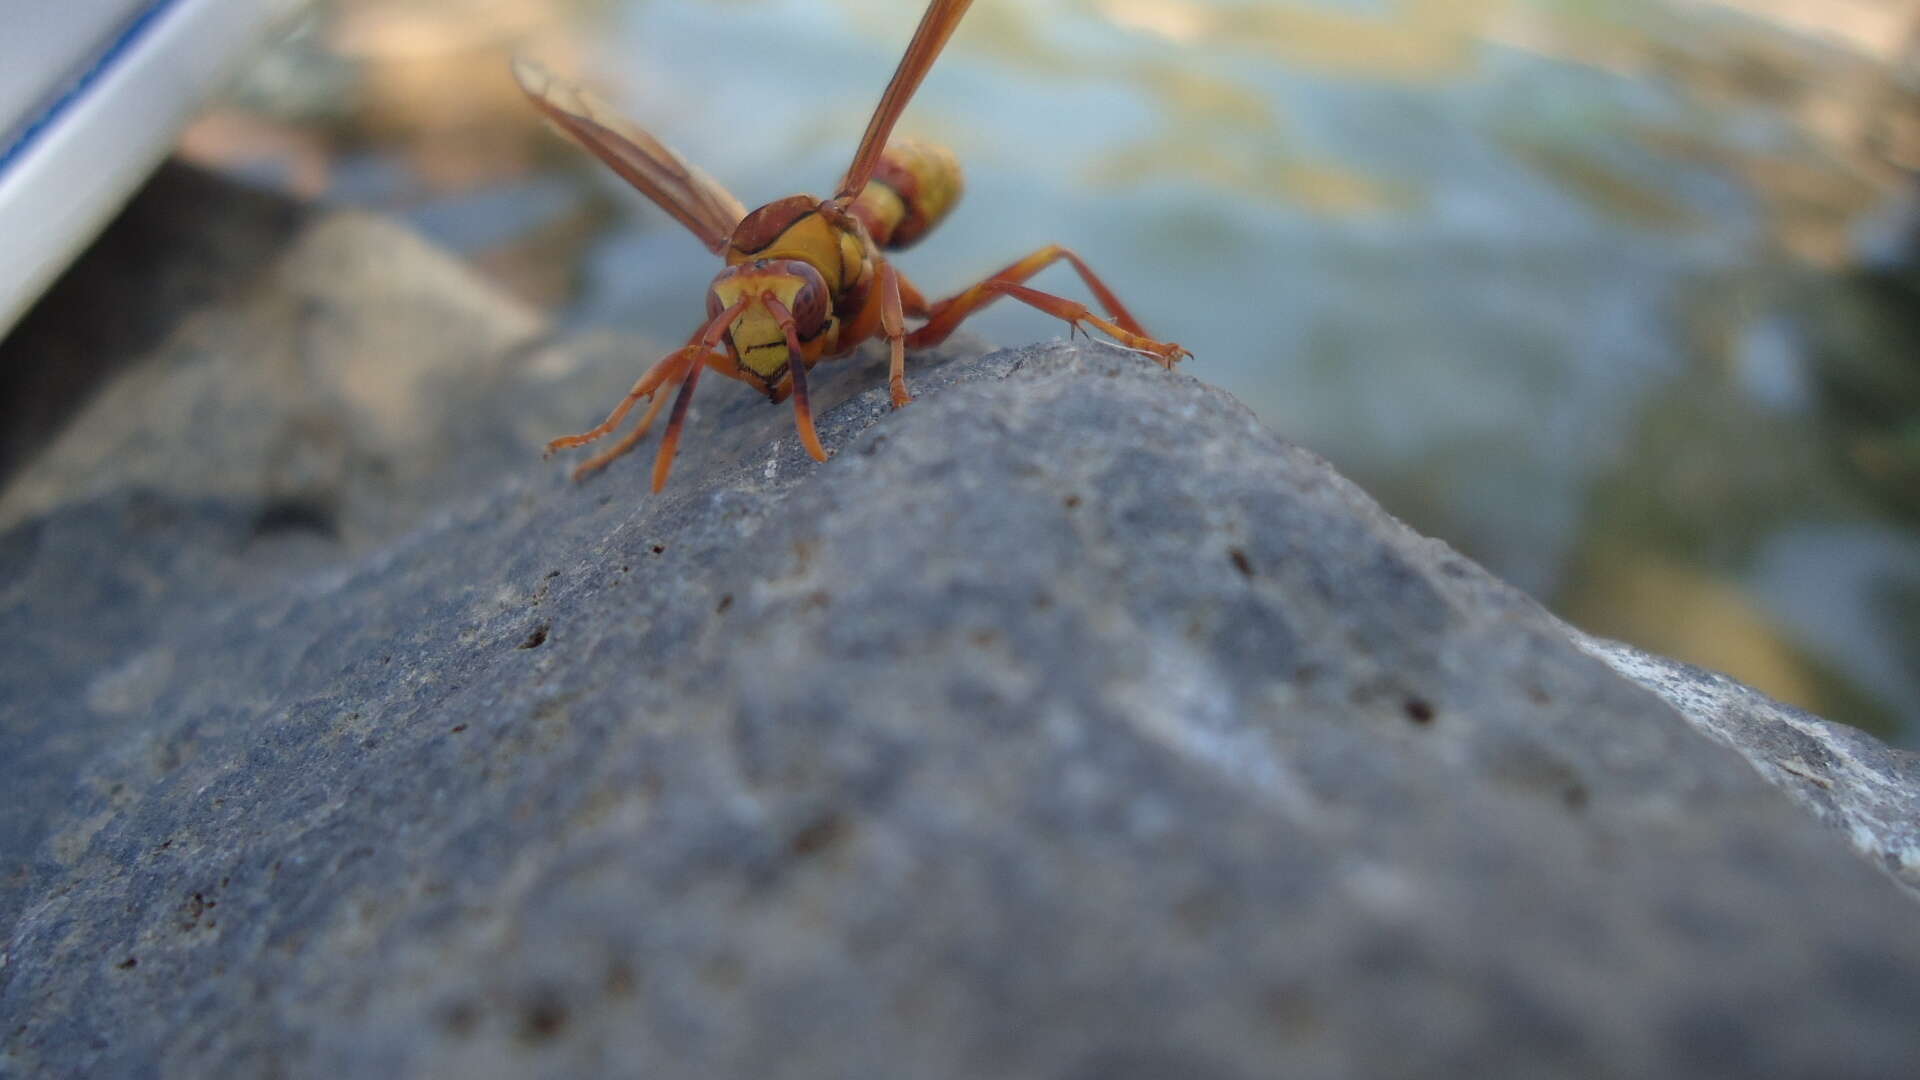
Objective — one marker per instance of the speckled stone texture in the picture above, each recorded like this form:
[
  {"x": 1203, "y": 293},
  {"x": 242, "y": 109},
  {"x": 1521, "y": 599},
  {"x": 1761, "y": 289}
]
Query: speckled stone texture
[
  {"x": 1068, "y": 724},
  {"x": 1860, "y": 786}
]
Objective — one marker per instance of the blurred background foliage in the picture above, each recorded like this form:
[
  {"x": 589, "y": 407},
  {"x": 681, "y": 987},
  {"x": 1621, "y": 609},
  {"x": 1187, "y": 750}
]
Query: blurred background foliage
[{"x": 1617, "y": 296}]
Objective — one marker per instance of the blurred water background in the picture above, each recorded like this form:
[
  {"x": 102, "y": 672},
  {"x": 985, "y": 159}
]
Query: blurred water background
[{"x": 1617, "y": 296}]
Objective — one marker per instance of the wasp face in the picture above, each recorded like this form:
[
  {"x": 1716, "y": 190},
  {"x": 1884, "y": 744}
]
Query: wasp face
[{"x": 756, "y": 338}]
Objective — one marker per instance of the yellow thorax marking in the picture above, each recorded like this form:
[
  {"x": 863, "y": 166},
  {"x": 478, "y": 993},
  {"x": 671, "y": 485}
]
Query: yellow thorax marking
[{"x": 813, "y": 240}]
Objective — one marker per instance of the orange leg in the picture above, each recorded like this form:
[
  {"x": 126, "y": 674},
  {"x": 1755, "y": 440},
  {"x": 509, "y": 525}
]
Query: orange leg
[
  {"x": 728, "y": 366},
  {"x": 1167, "y": 353},
  {"x": 719, "y": 362},
  {"x": 703, "y": 341},
  {"x": 912, "y": 302},
  {"x": 607, "y": 457},
  {"x": 797, "y": 373},
  {"x": 893, "y": 321},
  {"x": 1122, "y": 327},
  {"x": 893, "y": 298}
]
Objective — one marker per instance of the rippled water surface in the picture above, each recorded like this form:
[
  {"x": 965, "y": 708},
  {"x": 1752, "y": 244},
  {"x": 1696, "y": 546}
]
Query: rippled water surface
[{"x": 1616, "y": 297}]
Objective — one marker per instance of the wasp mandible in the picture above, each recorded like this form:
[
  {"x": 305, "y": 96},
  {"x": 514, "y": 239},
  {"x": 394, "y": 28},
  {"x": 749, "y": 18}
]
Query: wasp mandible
[{"x": 804, "y": 277}]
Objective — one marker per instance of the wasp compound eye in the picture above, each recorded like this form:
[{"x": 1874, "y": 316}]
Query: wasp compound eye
[{"x": 810, "y": 304}]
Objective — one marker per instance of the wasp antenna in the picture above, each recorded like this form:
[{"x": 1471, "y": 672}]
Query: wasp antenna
[
  {"x": 936, "y": 26},
  {"x": 797, "y": 373},
  {"x": 531, "y": 74},
  {"x": 670, "y": 442}
]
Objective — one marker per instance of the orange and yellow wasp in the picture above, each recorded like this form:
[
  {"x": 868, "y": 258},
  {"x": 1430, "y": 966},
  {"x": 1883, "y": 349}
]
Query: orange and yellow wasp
[{"x": 804, "y": 277}]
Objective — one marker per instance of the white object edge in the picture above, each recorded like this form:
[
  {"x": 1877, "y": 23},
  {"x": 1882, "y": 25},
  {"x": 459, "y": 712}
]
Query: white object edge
[{"x": 81, "y": 160}]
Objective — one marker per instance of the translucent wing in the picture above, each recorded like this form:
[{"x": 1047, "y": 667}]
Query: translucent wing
[
  {"x": 691, "y": 196},
  {"x": 936, "y": 26}
]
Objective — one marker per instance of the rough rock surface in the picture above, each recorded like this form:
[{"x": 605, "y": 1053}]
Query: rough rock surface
[
  {"x": 1067, "y": 724},
  {"x": 1859, "y": 785}
]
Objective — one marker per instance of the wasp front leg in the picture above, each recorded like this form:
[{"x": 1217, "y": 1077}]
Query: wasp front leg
[
  {"x": 607, "y": 457},
  {"x": 719, "y": 362},
  {"x": 671, "y": 368},
  {"x": 1120, "y": 324}
]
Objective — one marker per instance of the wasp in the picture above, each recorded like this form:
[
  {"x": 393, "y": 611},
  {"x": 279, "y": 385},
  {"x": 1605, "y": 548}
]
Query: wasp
[{"x": 804, "y": 277}]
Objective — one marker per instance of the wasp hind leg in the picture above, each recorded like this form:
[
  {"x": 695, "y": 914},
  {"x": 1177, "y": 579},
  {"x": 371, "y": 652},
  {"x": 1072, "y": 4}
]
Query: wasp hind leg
[{"x": 1120, "y": 324}]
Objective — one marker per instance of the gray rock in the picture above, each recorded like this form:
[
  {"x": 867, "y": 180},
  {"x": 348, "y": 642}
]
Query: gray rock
[
  {"x": 358, "y": 374},
  {"x": 246, "y": 388},
  {"x": 1066, "y": 724},
  {"x": 1855, "y": 783},
  {"x": 186, "y": 241}
]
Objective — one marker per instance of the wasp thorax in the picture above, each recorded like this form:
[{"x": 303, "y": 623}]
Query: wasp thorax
[{"x": 761, "y": 228}]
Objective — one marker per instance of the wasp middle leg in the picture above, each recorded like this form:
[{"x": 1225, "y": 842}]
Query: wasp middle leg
[
  {"x": 1120, "y": 324},
  {"x": 885, "y": 314}
]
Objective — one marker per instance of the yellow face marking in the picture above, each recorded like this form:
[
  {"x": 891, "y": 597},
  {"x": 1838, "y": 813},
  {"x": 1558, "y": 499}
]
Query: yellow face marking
[
  {"x": 758, "y": 339},
  {"x": 854, "y": 261}
]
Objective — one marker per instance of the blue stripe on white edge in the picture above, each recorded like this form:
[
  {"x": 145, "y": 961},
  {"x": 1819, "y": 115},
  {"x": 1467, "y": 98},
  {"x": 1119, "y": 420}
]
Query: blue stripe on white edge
[
  {"x": 67, "y": 172},
  {"x": 50, "y": 113}
]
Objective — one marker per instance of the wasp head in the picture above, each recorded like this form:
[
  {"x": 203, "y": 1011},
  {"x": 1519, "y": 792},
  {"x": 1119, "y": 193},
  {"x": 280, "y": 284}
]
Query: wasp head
[{"x": 757, "y": 339}]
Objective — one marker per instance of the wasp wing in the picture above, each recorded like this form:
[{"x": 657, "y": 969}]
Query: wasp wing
[
  {"x": 936, "y": 26},
  {"x": 691, "y": 196}
]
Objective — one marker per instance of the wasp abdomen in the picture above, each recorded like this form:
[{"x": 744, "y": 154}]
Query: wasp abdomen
[{"x": 913, "y": 188}]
